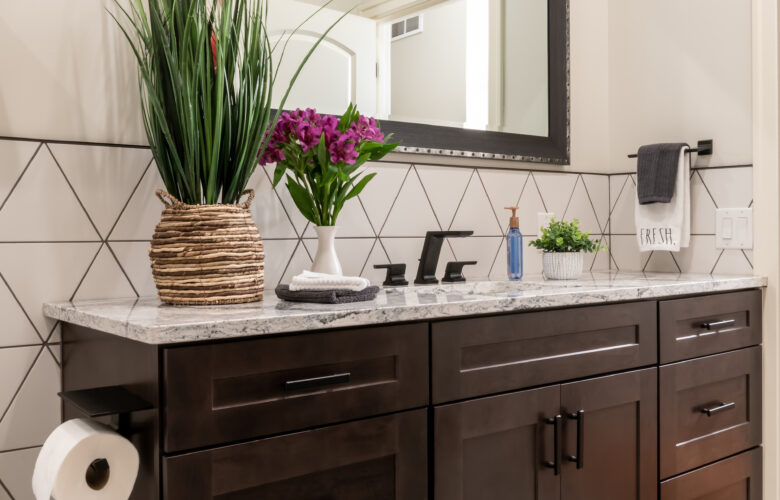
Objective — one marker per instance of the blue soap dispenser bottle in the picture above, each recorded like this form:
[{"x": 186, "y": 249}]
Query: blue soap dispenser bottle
[{"x": 514, "y": 247}]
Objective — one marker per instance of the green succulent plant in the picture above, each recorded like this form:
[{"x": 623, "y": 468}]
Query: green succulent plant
[{"x": 562, "y": 236}]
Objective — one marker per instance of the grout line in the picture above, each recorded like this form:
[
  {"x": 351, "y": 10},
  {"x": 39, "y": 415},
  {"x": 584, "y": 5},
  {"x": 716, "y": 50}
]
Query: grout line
[
  {"x": 24, "y": 311},
  {"x": 428, "y": 198},
  {"x": 292, "y": 254},
  {"x": 11, "y": 450},
  {"x": 132, "y": 193},
  {"x": 368, "y": 256},
  {"x": 571, "y": 195},
  {"x": 593, "y": 206},
  {"x": 89, "y": 217},
  {"x": 279, "y": 197},
  {"x": 716, "y": 261},
  {"x": 53, "y": 357},
  {"x": 747, "y": 258},
  {"x": 679, "y": 269},
  {"x": 490, "y": 202},
  {"x": 92, "y": 262},
  {"x": 392, "y": 205},
  {"x": 462, "y": 196},
  {"x": 21, "y": 384},
  {"x": 121, "y": 268},
  {"x": 18, "y": 179},
  {"x": 539, "y": 191},
  {"x": 706, "y": 188},
  {"x": 3, "y": 487}
]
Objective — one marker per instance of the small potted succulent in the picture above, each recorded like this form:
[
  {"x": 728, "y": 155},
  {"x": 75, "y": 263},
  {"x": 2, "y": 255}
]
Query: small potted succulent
[{"x": 564, "y": 245}]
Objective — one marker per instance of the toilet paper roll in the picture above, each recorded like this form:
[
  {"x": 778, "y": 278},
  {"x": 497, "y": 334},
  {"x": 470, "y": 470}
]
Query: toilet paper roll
[{"x": 85, "y": 460}]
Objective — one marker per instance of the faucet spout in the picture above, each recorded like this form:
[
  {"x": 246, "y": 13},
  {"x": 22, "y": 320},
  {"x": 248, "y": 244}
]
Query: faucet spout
[{"x": 429, "y": 259}]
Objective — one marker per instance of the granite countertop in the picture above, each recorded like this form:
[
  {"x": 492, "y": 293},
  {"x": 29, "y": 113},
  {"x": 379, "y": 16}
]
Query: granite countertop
[{"x": 148, "y": 320}]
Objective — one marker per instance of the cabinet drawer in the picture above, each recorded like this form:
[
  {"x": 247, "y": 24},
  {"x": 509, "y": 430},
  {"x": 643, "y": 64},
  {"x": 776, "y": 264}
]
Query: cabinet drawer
[
  {"x": 226, "y": 392},
  {"x": 472, "y": 357},
  {"x": 710, "y": 324},
  {"x": 383, "y": 458},
  {"x": 710, "y": 408},
  {"x": 735, "y": 478}
]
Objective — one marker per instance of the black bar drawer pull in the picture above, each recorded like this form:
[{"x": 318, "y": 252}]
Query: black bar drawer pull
[
  {"x": 555, "y": 463},
  {"x": 308, "y": 383},
  {"x": 579, "y": 416},
  {"x": 721, "y": 407},
  {"x": 711, "y": 325}
]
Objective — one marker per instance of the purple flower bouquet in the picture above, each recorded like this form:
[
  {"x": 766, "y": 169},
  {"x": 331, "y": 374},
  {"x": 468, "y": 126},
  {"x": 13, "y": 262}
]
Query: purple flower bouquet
[{"x": 321, "y": 155}]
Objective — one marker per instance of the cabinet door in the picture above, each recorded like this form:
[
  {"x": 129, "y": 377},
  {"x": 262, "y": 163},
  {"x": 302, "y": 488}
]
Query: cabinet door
[
  {"x": 610, "y": 437},
  {"x": 383, "y": 458},
  {"x": 735, "y": 478},
  {"x": 497, "y": 447}
]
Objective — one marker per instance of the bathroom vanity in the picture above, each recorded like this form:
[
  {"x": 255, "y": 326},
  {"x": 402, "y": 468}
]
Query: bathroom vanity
[{"x": 616, "y": 386}]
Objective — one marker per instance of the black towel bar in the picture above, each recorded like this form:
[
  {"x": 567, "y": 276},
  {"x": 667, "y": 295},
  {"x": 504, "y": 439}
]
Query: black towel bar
[{"x": 704, "y": 149}]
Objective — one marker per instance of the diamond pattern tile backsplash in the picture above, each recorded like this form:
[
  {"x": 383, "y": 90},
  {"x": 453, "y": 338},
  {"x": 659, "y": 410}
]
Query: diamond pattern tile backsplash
[{"x": 76, "y": 220}]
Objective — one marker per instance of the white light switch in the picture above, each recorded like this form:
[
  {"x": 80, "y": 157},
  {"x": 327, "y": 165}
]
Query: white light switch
[
  {"x": 734, "y": 228},
  {"x": 542, "y": 219}
]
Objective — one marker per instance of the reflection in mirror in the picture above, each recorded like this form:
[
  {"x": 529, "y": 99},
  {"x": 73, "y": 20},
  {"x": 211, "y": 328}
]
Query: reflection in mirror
[{"x": 473, "y": 64}]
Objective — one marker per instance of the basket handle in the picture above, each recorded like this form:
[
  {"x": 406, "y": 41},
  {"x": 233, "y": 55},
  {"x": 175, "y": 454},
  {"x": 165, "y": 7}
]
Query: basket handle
[
  {"x": 167, "y": 199},
  {"x": 250, "y": 197}
]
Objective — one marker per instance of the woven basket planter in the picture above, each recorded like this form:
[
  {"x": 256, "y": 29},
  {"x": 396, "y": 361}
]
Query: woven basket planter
[
  {"x": 562, "y": 265},
  {"x": 207, "y": 254}
]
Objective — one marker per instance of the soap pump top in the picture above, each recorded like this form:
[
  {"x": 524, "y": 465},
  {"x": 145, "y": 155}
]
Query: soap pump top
[{"x": 514, "y": 221}]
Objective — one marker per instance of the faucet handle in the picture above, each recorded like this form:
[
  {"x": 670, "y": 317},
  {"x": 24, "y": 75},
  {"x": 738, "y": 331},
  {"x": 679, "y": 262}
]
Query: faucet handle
[
  {"x": 395, "y": 274},
  {"x": 453, "y": 273}
]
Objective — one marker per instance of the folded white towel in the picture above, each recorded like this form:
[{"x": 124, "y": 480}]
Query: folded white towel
[
  {"x": 308, "y": 280},
  {"x": 667, "y": 226}
]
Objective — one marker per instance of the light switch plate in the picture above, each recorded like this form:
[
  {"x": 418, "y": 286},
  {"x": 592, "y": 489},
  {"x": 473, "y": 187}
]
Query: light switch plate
[
  {"x": 734, "y": 228},
  {"x": 542, "y": 219}
]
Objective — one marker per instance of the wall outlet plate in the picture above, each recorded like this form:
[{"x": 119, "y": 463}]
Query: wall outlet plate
[
  {"x": 542, "y": 219},
  {"x": 734, "y": 228}
]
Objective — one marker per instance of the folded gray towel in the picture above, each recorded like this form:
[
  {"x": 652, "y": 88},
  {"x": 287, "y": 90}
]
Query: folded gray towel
[
  {"x": 326, "y": 296},
  {"x": 656, "y": 172}
]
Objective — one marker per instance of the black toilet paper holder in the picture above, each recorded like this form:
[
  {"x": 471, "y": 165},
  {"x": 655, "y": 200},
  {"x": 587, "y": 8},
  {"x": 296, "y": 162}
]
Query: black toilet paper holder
[{"x": 115, "y": 401}]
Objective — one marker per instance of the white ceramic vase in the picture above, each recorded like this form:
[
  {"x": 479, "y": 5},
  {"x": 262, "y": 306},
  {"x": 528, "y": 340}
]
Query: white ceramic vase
[
  {"x": 325, "y": 260},
  {"x": 562, "y": 265}
]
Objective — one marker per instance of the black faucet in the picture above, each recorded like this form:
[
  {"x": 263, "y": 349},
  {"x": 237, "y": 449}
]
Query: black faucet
[{"x": 426, "y": 272}]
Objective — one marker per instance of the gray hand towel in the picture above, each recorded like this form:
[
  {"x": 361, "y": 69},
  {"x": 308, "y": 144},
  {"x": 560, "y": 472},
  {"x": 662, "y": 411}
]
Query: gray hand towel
[
  {"x": 656, "y": 171},
  {"x": 326, "y": 296}
]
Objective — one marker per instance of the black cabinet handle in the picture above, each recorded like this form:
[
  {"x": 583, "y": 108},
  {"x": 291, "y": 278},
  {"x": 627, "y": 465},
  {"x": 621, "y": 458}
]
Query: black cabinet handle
[
  {"x": 721, "y": 407},
  {"x": 555, "y": 462},
  {"x": 710, "y": 325},
  {"x": 579, "y": 416},
  {"x": 308, "y": 383}
]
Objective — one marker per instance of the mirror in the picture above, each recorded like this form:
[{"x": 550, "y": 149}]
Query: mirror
[{"x": 482, "y": 78}]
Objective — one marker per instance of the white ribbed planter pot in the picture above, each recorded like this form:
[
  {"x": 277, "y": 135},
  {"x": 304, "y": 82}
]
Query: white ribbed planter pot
[{"x": 562, "y": 265}]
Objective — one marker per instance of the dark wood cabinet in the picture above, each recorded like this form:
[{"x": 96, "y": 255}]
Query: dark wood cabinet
[
  {"x": 610, "y": 437},
  {"x": 709, "y": 324},
  {"x": 484, "y": 355},
  {"x": 642, "y": 400},
  {"x": 220, "y": 393},
  {"x": 383, "y": 458},
  {"x": 735, "y": 478},
  {"x": 497, "y": 447},
  {"x": 585, "y": 440},
  {"x": 710, "y": 408}
]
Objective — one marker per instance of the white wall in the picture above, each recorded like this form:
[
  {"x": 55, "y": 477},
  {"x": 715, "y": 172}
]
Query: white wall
[{"x": 680, "y": 70}]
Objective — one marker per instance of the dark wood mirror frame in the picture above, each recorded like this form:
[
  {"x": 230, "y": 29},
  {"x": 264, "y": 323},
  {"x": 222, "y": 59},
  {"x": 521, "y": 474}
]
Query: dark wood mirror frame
[{"x": 459, "y": 142}]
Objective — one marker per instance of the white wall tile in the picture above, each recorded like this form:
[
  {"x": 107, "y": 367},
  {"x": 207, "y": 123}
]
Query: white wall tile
[
  {"x": 732, "y": 262},
  {"x": 504, "y": 188},
  {"x": 15, "y": 471},
  {"x": 352, "y": 222},
  {"x": 702, "y": 207},
  {"x": 529, "y": 207},
  {"x": 700, "y": 256},
  {"x": 445, "y": 186},
  {"x": 102, "y": 177},
  {"x": 475, "y": 212},
  {"x": 267, "y": 210},
  {"x": 730, "y": 187},
  {"x": 14, "y": 157},
  {"x": 35, "y": 411},
  {"x": 411, "y": 214},
  {"x": 104, "y": 279},
  {"x": 143, "y": 211},
  {"x": 481, "y": 249},
  {"x": 14, "y": 365},
  {"x": 581, "y": 208},
  {"x": 622, "y": 217},
  {"x": 134, "y": 258},
  {"x": 16, "y": 329},
  {"x": 598, "y": 191},
  {"x": 379, "y": 195},
  {"x": 43, "y": 207},
  {"x": 43, "y": 272},
  {"x": 556, "y": 189}
]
